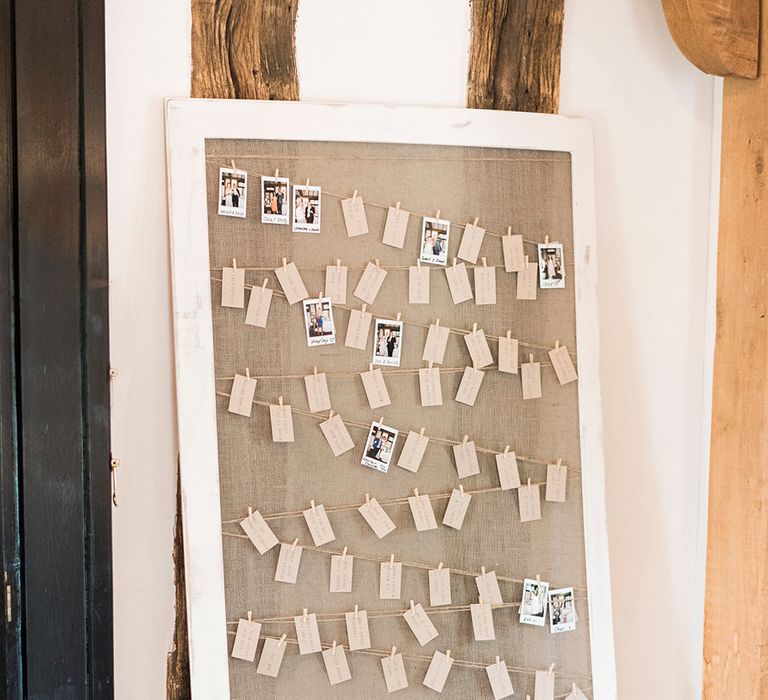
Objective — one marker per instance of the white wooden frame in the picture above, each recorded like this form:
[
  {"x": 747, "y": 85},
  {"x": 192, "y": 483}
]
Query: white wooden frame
[{"x": 188, "y": 124}]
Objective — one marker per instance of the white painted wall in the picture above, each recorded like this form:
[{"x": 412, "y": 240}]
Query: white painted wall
[{"x": 653, "y": 117}]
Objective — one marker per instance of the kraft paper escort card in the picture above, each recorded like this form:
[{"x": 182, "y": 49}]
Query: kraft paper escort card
[
  {"x": 358, "y": 633},
  {"x": 354, "y": 216},
  {"x": 418, "y": 284},
  {"x": 271, "y": 657},
  {"x": 530, "y": 502},
  {"x": 281, "y": 420},
  {"x": 341, "y": 573},
  {"x": 465, "y": 456},
  {"x": 413, "y": 451},
  {"x": 307, "y": 633},
  {"x": 482, "y": 622},
  {"x": 471, "y": 241},
  {"x": 396, "y": 227},
  {"x": 531, "y": 379},
  {"x": 434, "y": 347},
  {"x": 457, "y": 509},
  {"x": 259, "y": 532},
  {"x": 233, "y": 287},
  {"x": 508, "y": 354},
  {"x": 509, "y": 475},
  {"x": 458, "y": 282},
  {"x": 420, "y": 624},
  {"x": 429, "y": 386},
  {"x": 527, "y": 277},
  {"x": 241, "y": 395},
  {"x": 358, "y": 329},
  {"x": 390, "y": 577},
  {"x": 370, "y": 283},
  {"x": 562, "y": 364},
  {"x": 319, "y": 525},
  {"x": 477, "y": 344},
  {"x": 376, "y": 517},
  {"x": 291, "y": 282},
  {"x": 287, "y": 570},
  {"x": 258, "y": 307},
  {"x": 439, "y": 587},
  {"x": 544, "y": 688},
  {"x": 514, "y": 257},
  {"x": 557, "y": 475},
  {"x": 421, "y": 510},
  {"x": 485, "y": 285},
  {"x": 317, "y": 392},
  {"x": 394, "y": 672},
  {"x": 336, "y": 665},
  {"x": 498, "y": 676},
  {"x": 471, "y": 381},
  {"x": 246, "y": 640},
  {"x": 438, "y": 670},
  {"x": 336, "y": 283},
  {"x": 375, "y": 388},
  {"x": 488, "y": 588},
  {"x": 337, "y": 435}
]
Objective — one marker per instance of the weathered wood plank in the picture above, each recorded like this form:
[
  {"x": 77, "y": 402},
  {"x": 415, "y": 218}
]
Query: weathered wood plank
[
  {"x": 735, "y": 636},
  {"x": 244, "y": 49},
  {"x": 514, "y": 60},
  {"x": 720, "y": 37}
]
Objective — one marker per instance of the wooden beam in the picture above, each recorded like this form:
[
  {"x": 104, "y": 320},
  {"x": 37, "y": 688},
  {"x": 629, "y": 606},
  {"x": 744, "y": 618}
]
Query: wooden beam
[
  {"x": 244, "y": 49},
  {"x": 718, "y": 36},
  {"x": 514, "y": 60},
  {"x": 735, "y": 628}
]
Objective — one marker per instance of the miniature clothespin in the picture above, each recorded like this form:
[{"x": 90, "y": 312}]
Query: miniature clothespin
[
  {"x": 546, "y": 240},
  {"x": 377, "y": 262},
  {"x": 529, "y": 484},
  {"x": 333, "y": 648},
  {"x": 454, "y": 262},
  {"x": 312, "y": 503},
  {"x": 551, "y": 668},
  {"x": 397, "y": 318},
  {"x": 247, "y": 373},
  {"x": 461, "y": 490},
  {"x": 392, "y": 561},
  {"x": 281, "y": 640},
  {"x": 307, "y": 185},
  {"x": 437, "y": 320},
  {"x": 530, "y": 358},
  {"x": 481, "y": 601},
  {"x": 474, "y": 328},
  {"x": 482, "y": 571},
  {"x": 506, "y": 449},
  {"x": 295, "y": 542},
  {"x": 474, "y": 223},
  {"x": 330, "y": 414},
  {"x": 234, "y": 167},
  {"x": 315, "y": 371},
  {"x": 394, "y": 649},
  {"x": 509, "y": 230},
  {"x": 437, "y": 216},
  {"x": 354, "y": 197},
  {"x": 234, "y": 264},
  {"x": 250, "y": 513},
  {"x": 498, "y": 660},
  {"x": 464, "y": 441},
  {"x": 338, "y": 265},
  {"x": 416, "y": 492},
  {"x": 356, "y": 611},
  {"x": 264, "y": 283},
  {"x": 448, "y": 655},
  {"x": 557, "y": 345},
  {"x": 397, "y": 206},
  {"x": 367, "y": 498},
  {"x": 412, "y": 607},
  {"x": 250, "y": 616},
  {"x": 305, "y": 614},
  {"x": 344, "y": 554},
  {"x": 277, "y": 173},
  {"x": 526, "y": 261},
  {"x": 280, "y": 400},
  {"x": 431, "y": 362},
  {"x": 418, "y": 264},
  {"x": 559, "y": 463},
  {"x": 285, "y": 263},
  {"x": 485, "y": 263},
  {"x": 440, "y": 566},
  {"x": 421, "y": 432},
  {"x": 381, "y": 419},
  {"x": 365, "y": 306}
]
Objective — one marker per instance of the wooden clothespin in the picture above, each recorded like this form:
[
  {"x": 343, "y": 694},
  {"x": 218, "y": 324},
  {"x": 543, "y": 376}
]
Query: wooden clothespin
[
  {"x": 546, "y": 240},
  {"x": 506, "y": 449},
  {"x": 315, "y": 372},
  {"x": 250, "y": 616},
  {"x": 377, "y": 262},
  {"x": 431, "y": 362},
  {"x": 250, "y": 513},
  {"x": 264, "y": 283},
  {"x": 365, "y": 306},
  {"x": 285, "y": 263},
  {"x": 234, "y": 264},
  {"x": 277, "y": 173},
  {"x": 356, "y": 611},
  {"x": 394, "y": 649},
  {"x": 551, "y": 668},
  {"x": 474, "y": 328},
  {"x": 418, "y": 264},
  {"x": 416, "y": 492},
  {"x": 344, "y": 554},
  {"x": 461, "y": 490},
  {"x": 509, "y": 230},
  {"x": 354, "y": 197},
  {"x": 392, "y": 561},
  {"x": 397, "y": 206},
  {"x": 412, "y": 607},
  {"x": 448, "y": 655},
  {"x": 437, "y": 216},
  {"x": 281, "y": 640},
  {"x": 474, "y": 223},
  {"x": 247, "y": 373},
  {"x": 305, "y": 614},
  {"x": 454, "y": 262},
  {"x": 509, "y": 335},
  {"x": 440, "y": 566},
  {"x": 312, "y": 503},
  {"x": 498, "y": 660},
  {"x": 381, "y": 419},
  {"x": 526, "y": 261},
  {"x": 280, "y": 400},
  {"x": 307, "y": 185},
  {"x": 295, "y": 542},
  {"x": 399, "y": 315},
  {"x": 338, "y": 265},
  {"x": 234, "y": 167},
  {"x": 370, "y": 367},
  {"x": 464, "y": 441},
  {"x": 421, "y": 432},
  {"x": 333, "y": 648},
  {"x": 529, "y": 483},
  {"x": 482, "y": 571},
  {"x": 367, "y": 498},
  {"x": 530, "y": 358},
  {"x": 559, "y": 462},
  {"x": 330, "y": 414},
  {"x": 481, "y": 601},
  {"x": 437, "y": 320},
  {"x": 485, "y": 263}
]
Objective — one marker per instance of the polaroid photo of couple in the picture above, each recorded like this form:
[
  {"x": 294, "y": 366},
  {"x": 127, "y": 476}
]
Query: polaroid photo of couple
[
  {"x": 562, "y": 612},
  {"x": 306, "y": 208},
  {"x": 380, "y": 447},
  {"x": 533, "y": 607},
  {"x": 318, "y": 321},
  {"x": 233, "y": 192},
  {"x": 275, "y": 200},
  {"x": 551, "y": 266},
  {"x": 387, "y": 342},
  {"x": 434, "y": 241}
]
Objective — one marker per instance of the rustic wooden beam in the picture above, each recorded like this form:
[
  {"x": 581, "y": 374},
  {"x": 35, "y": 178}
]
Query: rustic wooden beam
[
  {"x": 718, "y": 36},
  {"x": 244, "y": 49},
  {"x": 514, "y": 60}
]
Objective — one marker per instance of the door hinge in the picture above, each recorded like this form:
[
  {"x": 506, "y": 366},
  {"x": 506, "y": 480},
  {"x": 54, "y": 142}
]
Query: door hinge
[{"x": 8, "y": 598}]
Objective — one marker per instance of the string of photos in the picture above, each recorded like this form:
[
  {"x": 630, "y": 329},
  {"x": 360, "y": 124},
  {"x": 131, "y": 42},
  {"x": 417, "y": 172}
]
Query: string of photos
[{"x": 301, "y": 209}]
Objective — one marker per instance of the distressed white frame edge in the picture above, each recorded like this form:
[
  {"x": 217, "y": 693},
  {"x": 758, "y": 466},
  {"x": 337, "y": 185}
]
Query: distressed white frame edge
[{"x": 188, "y": 124}]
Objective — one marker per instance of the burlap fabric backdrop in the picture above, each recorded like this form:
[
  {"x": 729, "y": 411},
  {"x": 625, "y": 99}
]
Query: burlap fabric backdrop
[{"x": 532, "y": 193}]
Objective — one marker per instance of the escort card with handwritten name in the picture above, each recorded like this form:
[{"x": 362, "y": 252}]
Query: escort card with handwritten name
[
  {"x": 376, "y": 517},
  {"x": 336, "y": 666},
  {"x": 469, "y": 387},
  {"x": 370, "y": 283},
  {"x": 354, "y": 216},
  {"x": 318, "y": 397},
  {"x": 246, "y": 640},
  {"x": 498, "y": 677},
  {"x": 287, "y": 570},
  {"x": 241, "y": 395},
  {"x": 514, "y": 257},
  {"x": 471, "y": 241},
  {"x": 465, "y": 456},
  {"x": 423, "y": 515},
  {"x": 429, "y": 387},
  {"x": 563, "y": 365},
  {"x": 233, "y": 287},
  {"x": 358, "y": 633},
  {"x": 485, "y": 285},
  {"x": 420, "y": 624},
  {"x": 527, "y": 277},
  {"x": 488, "y": 588},
  {"x": 375, "y": 388},
  {"x": 258, "y": 307},
  {"x": 508, "y": 354},
  {"x": 556, "y": 480},
  {"x": 544, "y": 687},
  {"x": 281, "y": 420},
  {"x": 434, "y": 347},
  {"x": 479, "y": 351},
  {"x": 438, "y": 670},
  {"x": 418, "y": 285},
  {"x": 390, "y": 577},
  {"x": 413, "y": 451},
  {"x": 271, "y": 657},
  {"x": 319, "y": 525},
  {"x": 337, "y": 435},
  {"x": 509, "y": 475},
  {"x": 395, "y": 227},
  {"x": 529, "y": 499},
  {"x": 307, "y": 633},
  {"x": 482, "y": 622},
  {"x": 394, "y": 672},
  {"x": 457, "y": 509},
  {"x": 291, "y": 282},
  {"x": 358, "y": 329},
  {"x": 458, "y": 283},
  {"x": 341, "y": 573},
  {"x": 259, "y": 532},
  {"x": 336, "y": 283},
  {"x": 530, "y": 376},
  {"x": 439, "y": 587}
]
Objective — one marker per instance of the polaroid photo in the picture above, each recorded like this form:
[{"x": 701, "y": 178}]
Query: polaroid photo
[
  {"x": 233, "y": 192},
  {"x": 533, "y": 607},
  {"x": 306, "y": 209},
  {"x": 318, "y": 321},
  {"x": 434, "y": 241},
  {"x": 275, "y": 200},
  {"x": 379, "y": 447},
  {"x": 551, "y": 266},
  {"x": 387, "y": 342},
  {"x": 562, "y": 614}
]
